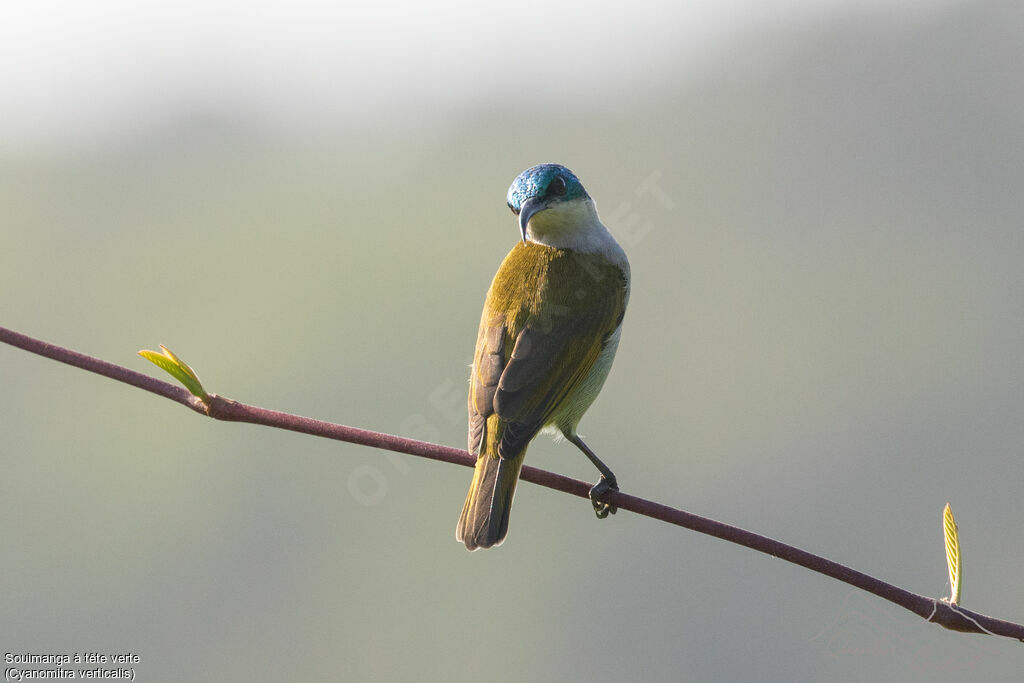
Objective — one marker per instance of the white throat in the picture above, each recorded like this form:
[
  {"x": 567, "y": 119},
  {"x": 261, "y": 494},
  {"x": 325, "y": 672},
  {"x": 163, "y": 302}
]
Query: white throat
[{"x": 575, "y": 225}]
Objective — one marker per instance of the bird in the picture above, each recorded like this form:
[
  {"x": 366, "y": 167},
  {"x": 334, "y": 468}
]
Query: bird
[{"x": 548, "y": 333}]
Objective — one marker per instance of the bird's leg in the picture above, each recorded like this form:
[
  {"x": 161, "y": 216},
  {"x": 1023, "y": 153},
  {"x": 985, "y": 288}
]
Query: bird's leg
[{"x": 605, "y": 484}]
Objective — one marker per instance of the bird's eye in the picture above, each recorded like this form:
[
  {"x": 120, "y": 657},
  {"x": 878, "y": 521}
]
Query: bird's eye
[{"x": 557, "y": 185}]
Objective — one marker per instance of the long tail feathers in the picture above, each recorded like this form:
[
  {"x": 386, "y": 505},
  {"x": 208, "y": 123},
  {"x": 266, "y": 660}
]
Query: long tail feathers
[{"x": 484, "y": 520}]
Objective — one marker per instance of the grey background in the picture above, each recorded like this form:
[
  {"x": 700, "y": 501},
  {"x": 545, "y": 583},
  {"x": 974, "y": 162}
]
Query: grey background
[{"x": 823, "y": 342}]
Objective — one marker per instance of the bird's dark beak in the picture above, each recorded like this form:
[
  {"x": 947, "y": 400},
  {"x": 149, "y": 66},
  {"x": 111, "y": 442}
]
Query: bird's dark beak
[{"x": 531, "y": 206}]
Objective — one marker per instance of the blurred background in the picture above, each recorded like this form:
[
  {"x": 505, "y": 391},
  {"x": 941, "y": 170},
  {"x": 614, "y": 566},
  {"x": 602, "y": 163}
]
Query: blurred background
[{"x": 822, "y": 205}]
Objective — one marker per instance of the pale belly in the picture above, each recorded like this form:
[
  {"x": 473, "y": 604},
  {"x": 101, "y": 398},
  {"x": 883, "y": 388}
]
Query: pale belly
[{"x": 565, "y": 420}]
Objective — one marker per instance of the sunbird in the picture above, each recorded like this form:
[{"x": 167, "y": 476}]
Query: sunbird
[{"x": 548, "y": 334}]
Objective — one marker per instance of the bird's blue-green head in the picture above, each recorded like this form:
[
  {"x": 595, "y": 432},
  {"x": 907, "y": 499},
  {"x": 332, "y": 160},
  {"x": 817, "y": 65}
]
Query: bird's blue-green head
[{"x": 544, "y": 187}]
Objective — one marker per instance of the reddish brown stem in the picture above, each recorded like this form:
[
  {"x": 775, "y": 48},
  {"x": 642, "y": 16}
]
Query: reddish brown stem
[{"x": 951, "y": 617}]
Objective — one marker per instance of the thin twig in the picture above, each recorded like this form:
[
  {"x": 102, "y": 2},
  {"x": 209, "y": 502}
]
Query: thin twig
[{"x": 952, "y": 617}]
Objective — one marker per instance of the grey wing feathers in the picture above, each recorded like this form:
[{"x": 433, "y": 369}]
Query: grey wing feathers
[{"x": 484, "y": 383}]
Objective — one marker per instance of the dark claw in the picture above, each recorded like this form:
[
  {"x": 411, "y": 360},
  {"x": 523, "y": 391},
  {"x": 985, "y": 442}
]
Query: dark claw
[{"x": 599, "y": 491}]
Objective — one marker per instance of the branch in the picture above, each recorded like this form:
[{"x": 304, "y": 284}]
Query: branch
[{"x": 937, "y": 611}]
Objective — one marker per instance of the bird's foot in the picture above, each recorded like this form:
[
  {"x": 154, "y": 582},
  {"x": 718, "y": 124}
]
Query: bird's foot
[{"x": 600, "y": 489}]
